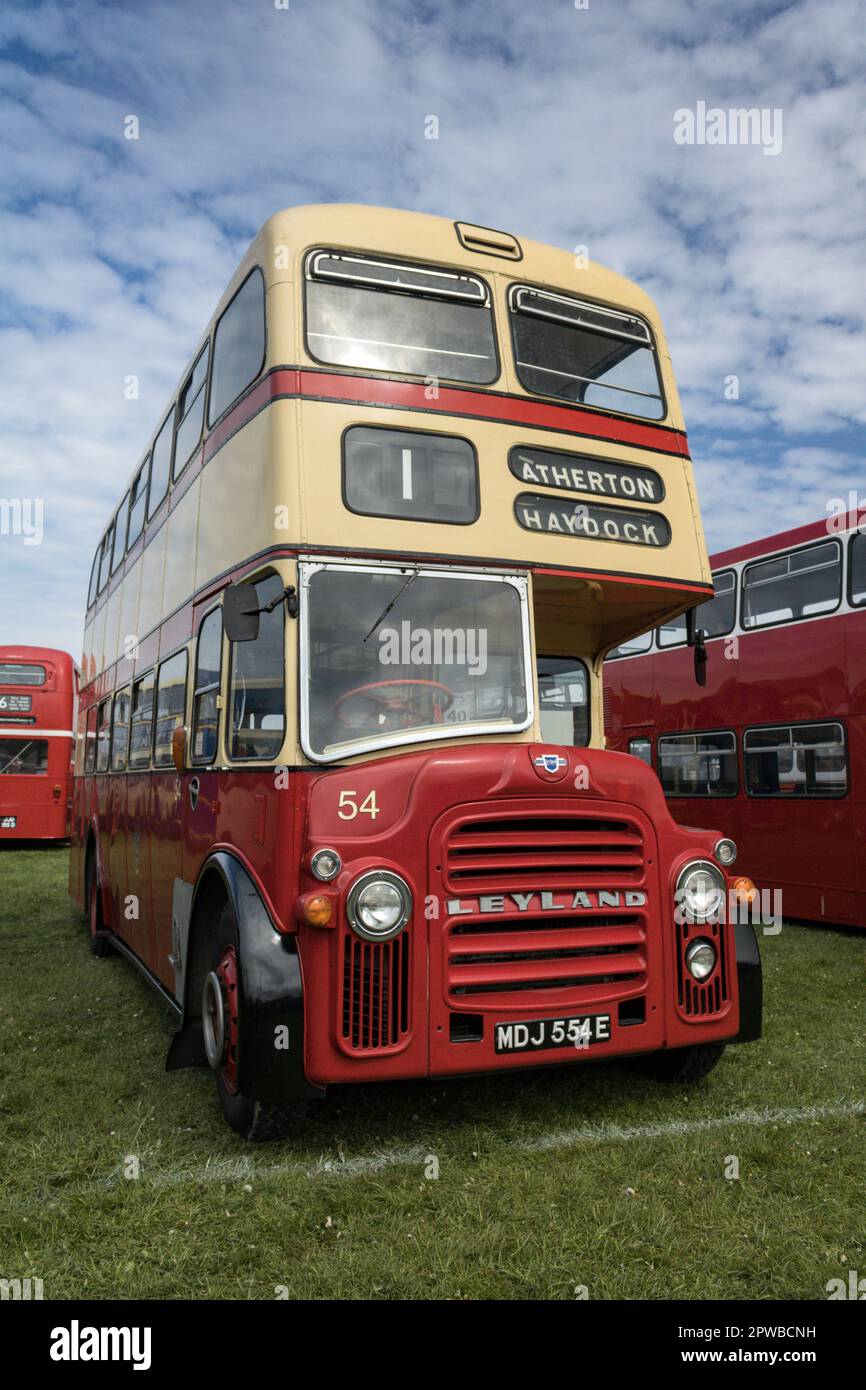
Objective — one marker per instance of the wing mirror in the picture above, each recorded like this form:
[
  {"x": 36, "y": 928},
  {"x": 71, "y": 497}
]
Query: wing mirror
[
  {"x": 241, "y": 613},
  {"x": 697, "y": 638}
]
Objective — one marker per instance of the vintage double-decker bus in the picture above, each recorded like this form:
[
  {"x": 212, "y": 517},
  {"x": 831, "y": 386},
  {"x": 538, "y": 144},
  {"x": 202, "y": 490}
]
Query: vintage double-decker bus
[
  {"x": 38, "y": 691},
  {"x": 342, "y": 792},
  {"x": 769, "y": 750}
]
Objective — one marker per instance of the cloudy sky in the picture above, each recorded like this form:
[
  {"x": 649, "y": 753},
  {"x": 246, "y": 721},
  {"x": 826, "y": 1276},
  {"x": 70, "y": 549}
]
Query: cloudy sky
[{"x": 555, "y": 122}]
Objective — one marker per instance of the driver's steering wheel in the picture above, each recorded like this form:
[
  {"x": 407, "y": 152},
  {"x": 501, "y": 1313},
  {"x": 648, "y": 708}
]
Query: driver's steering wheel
[{"x": 385, "y": 705}]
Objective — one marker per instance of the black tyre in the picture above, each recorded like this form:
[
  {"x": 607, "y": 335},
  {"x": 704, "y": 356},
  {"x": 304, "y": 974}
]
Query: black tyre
[
  {"x": 254, "y": 1120},
  {"x": 99, "y": 945},
  {"x": 680, "y": 1064}
]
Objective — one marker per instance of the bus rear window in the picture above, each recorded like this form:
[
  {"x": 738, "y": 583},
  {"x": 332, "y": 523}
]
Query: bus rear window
[
  {"x": 584, "y": 353},
  {"x": 23, "y": 757},
  {"x": 17, "y": 673},
  {"x": 391, "y": 317}
]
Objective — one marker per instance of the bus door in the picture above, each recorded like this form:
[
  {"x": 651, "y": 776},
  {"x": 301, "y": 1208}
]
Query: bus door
[
  {"x": 166, "y": 810},
  {"x": 201, "y": 782}
]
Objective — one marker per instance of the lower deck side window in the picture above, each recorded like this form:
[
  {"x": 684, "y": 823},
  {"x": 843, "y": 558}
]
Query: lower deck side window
[
  {"x": 641, "y": 748},
  {"x": 698, "y": 764},
  {"x": 796, "y": 760}
]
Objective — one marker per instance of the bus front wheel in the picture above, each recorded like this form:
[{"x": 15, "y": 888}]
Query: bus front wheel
[
  {"x": 683, "y": 1064},
  {"x": 257, "y": 1121}
]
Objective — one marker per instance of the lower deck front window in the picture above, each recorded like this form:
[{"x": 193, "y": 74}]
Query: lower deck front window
[{"x": 395, "y": 656}]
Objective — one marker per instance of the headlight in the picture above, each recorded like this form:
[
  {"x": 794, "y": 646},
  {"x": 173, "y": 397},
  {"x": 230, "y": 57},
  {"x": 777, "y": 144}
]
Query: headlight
[
  {"x": 701, "y": 959},
  {"x": 379, "y": 905},
  {"x": 326, "y": 864},
  {"x": 726, "y": 852},
  {"x": 700, "y": 891}
]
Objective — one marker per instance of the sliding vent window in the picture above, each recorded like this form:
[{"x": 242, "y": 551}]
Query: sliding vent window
[
  {"x": 388, "y": 317},
  {"x": 801, "y": 584},
  {"x": 409, "y": 475},
  {"x": 584, "y": 354},
  {"x": 803, "y": 760}
]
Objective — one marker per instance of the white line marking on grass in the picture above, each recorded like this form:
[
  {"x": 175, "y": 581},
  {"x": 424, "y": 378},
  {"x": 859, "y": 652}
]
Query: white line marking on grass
[
  {"x": 605, "y": 1133},
  {"x": 366, "y": 1165}
]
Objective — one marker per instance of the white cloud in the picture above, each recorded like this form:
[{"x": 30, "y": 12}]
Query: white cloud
[{"x": 554, "y": 123}]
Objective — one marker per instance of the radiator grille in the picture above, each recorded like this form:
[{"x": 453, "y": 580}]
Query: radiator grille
[
  {"x": 541, "y": 949},
  {"x": 375, "y": 1013}
]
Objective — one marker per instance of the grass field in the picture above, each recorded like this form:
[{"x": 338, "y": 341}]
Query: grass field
[{"x": 589, "y": 1176}]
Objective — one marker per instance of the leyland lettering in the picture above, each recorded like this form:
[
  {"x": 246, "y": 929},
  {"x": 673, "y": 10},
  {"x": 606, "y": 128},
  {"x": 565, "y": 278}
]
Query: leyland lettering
[{"x": 547, "y": 902}]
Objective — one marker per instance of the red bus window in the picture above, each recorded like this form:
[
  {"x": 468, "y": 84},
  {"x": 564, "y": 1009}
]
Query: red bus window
[
  {"x": 141, "y": 730},
  {"x": 800, "y": 584},
  {"x": 633, "y": 647},
  {"x": 205, "y": 705},
  {"x": 120, "y": 731},
  {"x": 23, "y": 757},
  {"x": 857, "y": 566},
  {"x": 103, "y": 736},
  {"x": 90, "y": 741},
  {"x": 17, "y": 673},
  {"x": 170, "y": 706},
  {"x": 641, "y": 748},
  {"x": 698, "y": 764},
  {"x": 799, "y": 760}
]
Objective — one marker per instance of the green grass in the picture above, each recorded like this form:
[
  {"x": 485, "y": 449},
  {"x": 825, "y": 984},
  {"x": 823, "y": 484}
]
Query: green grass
[{"x": 82, "y": 1085}]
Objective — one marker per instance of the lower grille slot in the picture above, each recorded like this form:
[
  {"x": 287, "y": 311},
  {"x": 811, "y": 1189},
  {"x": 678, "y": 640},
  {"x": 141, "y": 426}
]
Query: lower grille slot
[{"x": 375, "y": 1004}]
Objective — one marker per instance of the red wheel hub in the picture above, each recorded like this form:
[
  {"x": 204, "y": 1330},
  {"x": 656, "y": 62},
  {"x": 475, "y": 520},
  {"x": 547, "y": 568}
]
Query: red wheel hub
[{"x": 227, "y": 974}]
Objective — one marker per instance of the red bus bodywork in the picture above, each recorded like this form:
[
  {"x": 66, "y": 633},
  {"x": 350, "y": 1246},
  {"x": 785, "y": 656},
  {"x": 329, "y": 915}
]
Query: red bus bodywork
[
  {"x": 793, "y": 673},
  {"x": 38, "y": 691}
]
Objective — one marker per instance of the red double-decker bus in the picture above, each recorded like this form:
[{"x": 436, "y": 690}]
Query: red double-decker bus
[
  {"x": 773, "y": 748},
  {"x": 342, "y": 793},
  {"x": 38, "y": 691}
]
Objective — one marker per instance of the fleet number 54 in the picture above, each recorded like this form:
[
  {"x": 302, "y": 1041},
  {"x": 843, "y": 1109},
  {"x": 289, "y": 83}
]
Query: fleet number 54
[{"x": 348, "y": 807}]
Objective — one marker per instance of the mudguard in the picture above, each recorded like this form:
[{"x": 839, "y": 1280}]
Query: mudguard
[
  {"x": 271, "y": 1005},
  {"x": 749, "y": 981}
]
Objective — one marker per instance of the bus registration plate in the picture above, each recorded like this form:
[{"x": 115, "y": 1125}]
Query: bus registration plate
[
  {"x": 540, "y": 1034},
  {"x": 8, "y": 822}
]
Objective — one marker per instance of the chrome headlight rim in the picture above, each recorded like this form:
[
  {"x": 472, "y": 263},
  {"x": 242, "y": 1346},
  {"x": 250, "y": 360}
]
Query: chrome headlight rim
[
  {"x": 689, "y": 914},
  {"x": 701, "y": 944},
  {"x": 725, "y": 846},
  {"x": 365, "y": 880},
  {"x": 315, "y": 864}
]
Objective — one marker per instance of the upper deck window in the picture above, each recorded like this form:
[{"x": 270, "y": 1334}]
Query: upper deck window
[
  {"x": 19, "y": 673},
  {"x": 190, "y": 413},
  {"x": 635, "y": 646},
  {"x": 239, "y": 345},
  {"x": 391, "y": 317},
  {"x": 584, "y": 353},
  {"x": 801, "y": 584}
]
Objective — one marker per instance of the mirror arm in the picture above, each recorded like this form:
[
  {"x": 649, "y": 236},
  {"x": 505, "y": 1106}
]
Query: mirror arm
[{"x": 290, "y": 595}]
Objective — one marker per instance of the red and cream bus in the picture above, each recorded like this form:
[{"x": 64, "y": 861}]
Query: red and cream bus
[
  {"x": 38, "y": 690},
  {"x": 772, "y": 749},
  {"x": 342, "y": 792}
]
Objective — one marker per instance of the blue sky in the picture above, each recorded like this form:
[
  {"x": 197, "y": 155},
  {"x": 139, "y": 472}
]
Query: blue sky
[{"x": 554, "y": 122}]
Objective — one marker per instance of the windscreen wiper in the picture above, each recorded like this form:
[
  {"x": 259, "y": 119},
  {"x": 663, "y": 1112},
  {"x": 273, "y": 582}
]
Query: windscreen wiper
[{"x": 399, "y": 594}]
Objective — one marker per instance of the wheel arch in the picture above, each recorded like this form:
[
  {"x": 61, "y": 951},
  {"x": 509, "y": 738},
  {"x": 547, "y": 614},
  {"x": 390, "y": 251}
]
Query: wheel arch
[{"x": 271, "y": 1053}]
